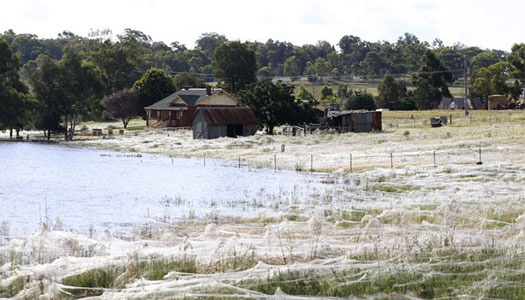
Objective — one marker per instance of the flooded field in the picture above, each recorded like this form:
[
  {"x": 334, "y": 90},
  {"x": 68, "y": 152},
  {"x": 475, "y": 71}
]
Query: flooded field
[
  {"x": 184, "y": 231},
  {"x": 88, "y": 189}
]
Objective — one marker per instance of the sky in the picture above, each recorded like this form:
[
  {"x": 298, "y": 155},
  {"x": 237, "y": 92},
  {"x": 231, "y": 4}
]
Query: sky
[{"x": 487, "y": 24}]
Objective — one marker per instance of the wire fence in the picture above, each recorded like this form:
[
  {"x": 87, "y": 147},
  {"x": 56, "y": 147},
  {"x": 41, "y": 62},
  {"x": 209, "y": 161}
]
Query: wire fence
[{"x": 357, "y": 162}]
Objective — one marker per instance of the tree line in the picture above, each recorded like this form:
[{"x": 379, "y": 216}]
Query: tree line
[
  {"x": 124, "y": 57},
  {"x": 53, "y": 83}
]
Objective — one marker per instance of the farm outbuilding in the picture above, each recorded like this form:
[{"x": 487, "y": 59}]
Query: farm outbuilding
[
  {"x": 459, "y": 103},
  {"x": 497, "y": 102},
  {"x": 215, "y": 122},
  {"x": 355, "y": 121}
]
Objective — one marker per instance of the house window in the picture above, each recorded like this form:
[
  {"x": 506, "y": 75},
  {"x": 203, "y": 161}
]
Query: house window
[
  {"x": 177, "y": 114},
  {"x": 152, "y": 114}
]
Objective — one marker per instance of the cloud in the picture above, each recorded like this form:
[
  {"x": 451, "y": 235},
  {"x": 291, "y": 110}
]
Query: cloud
[{"x": 482, "y": 23}]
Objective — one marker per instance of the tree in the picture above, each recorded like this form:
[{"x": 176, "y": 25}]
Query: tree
[
  {"x": 451, "y": 57},
  {"x": 124, "y": 105},
  {"x": 18, "y": 110},
  {"x": 275, "y": 104},
  {"x": 373, "y": 64},
  {"x": 68, "y": 91},
  {"x": 234, "y": 64},
  {"x": 292, "y": 66},
  {"x": 81, "y": 85},
  {"x": 431, "y": 82},
  {"x": 119, "y": 63},
  {"x": 485, "y": 59},
  {"x": 327, "y": 94},
  {"x": 304, "y": 94},
  {"x": 492, "y": 80},
  {"x": 17, "y": 106},
  {"x": 208, "y": 42},
  {"x": 46, "y": 86},
  {"x": 178, "y": 47},
  {"x": 153, "y": 86},
  {"x": 517, "y": 60},
  {"x": 319, "y": 67},
  {"x": 184, "y": 80},
  {"x": 265, "y": 72},
  {"x": 389, "y": 93},
  {"x": 360, "y": 100}
]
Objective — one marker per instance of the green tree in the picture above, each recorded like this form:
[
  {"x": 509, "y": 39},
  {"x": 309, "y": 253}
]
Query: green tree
[
  {"x": 359, "y": 100},
  {"x": 68, "y": 91},
  {"x": 451, "y": 57},
  {"x": 81, "y": 86},
  {"x": 373, "y": 63},
  {"x": 208, "y": 42},
  {"x": 304, "y": 94},
  {"x": 389, "y": 93},
  {"x": 492, "y": 80},
  {"x": 516, "y": 59},
  {"x": 275, "y": 104},
  {"x": 431, "y": 82},
  {"x": 46, "y": 86},
  {"x": 153, "y": 86},
  {"x": 17, "y": 106},
  {"x": 292, "y": 66},
  {"x": 234, "y": 64},
  {"x": 485, "y": 59},
  {"x": 327, "y": 94},
  {"x": 265, "y": 72},
  {"x": 119, "y": 63},
  {"x": 319, "y": 67},
  {"x": 184, "y": 80}
]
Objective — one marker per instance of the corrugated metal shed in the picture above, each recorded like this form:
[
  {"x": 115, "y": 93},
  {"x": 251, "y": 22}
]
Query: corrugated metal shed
[
  {"x": 355, "y": 121},
  {"x": 215, "y": 122},
  {"x": 227, "y": 115}
]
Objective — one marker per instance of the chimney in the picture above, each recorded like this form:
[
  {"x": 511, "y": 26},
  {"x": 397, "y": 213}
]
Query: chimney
[{"x": 208, "y": 90}]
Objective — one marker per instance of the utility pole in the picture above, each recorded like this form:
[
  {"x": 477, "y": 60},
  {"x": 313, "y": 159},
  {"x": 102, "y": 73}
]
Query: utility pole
[
  {"x": 523, "y": 62},
  {"x": 465, "y": 104}
]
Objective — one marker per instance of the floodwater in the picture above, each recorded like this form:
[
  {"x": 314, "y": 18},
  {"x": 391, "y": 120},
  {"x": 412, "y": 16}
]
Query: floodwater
[{"x": 94, "y": 190}]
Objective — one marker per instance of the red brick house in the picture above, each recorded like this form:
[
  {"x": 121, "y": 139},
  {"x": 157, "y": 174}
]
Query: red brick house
[{"x": 177, "y": 109}]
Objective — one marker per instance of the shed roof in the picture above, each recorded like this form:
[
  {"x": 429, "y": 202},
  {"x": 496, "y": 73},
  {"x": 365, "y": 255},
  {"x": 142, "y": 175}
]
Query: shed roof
[
  {"x": 189, "y": 96},
  {"x": 227, "y": 115},
  {"x": 492, "y": 97}
]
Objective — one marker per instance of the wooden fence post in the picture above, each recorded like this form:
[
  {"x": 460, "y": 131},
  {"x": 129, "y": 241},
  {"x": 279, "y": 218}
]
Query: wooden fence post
[{"x": 479, "y": 162}]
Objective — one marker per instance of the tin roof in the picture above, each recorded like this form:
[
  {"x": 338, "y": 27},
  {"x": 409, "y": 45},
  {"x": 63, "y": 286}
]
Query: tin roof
[
  {"x": 189, "y": 96},
  {"x": 227, "y": 115}
]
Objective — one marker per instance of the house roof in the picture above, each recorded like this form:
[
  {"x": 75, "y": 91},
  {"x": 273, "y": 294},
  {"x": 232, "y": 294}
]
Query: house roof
[
  {"x": 190, "y": 96},
  {"x": 227, "y": 115}
]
